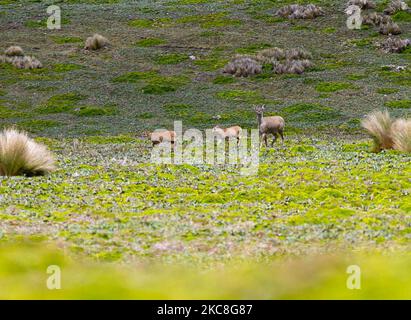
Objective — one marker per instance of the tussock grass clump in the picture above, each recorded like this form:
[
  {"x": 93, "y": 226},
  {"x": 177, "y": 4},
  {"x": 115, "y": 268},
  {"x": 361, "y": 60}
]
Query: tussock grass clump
[
  {"x": 296, "y": 11},
  {"x": 363, "y": 4},
  {"x": 243, "y": 66},
  {"x": 270, "y": 54},
  {"x": 384, "y": 22},
  {"x": 378, "y": 124},
  {"x": 390, "y": 28},
  {"x": 291, "y": 66},
  {"x": 96, "y": 42},
  {"x": 401, "y": 135},
  {"x": 395, "y": 6},
  {"x": 20, "y": 155},
  {"x": 376, "y": 19},
  {"x": 293, "y": 61},
  {"x": 388, "y": 133},
  {"x": 394, "y": 45},
  {"x": 14, "y": 51},
  {"x": 14, "y": 55}
]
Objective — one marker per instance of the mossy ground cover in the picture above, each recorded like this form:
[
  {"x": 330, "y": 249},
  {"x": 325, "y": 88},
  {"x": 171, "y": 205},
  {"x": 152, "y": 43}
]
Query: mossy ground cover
[{"x": 321, "y": 192}]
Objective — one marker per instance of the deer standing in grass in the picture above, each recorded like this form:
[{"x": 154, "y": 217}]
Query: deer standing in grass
[
  {"x": 269, "y": 125},
  {"x": 226, "y": 133}
]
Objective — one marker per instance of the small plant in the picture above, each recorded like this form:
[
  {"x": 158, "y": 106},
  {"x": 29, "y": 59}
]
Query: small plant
[
  {"x": 296, "y": 11},
  {"x": 402, "y": 104},
  {"x": 401, "y": 135},
  {"x": 363, "y": 4},
  {"x": 394, "y": 45},
  {"x": 378, "y": 124},
  {"x": 390, "y": 28},
  {"x": 14, "y": 55},
  {"x": 396, "y": 6},
  {"x": 96, "y": 42},
  {"x": 20, "y": 155},
  {"x": 243, "y": 66},
  {"x": 14, "y": 51}
]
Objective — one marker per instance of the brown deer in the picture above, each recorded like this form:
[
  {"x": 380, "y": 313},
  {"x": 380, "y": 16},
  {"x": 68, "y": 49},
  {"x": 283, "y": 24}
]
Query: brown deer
[{"x": 269, "y": 125}]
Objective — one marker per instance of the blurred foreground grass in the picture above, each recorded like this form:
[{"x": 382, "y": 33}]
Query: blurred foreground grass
[{"x": 23, "y": 276}]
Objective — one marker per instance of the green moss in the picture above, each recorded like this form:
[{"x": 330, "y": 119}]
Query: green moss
[
  {"x": 241, "y": 96},
  {"x": 37, "y": 125},
  {"x": 387, "y": 90},
  {"x": 406, "y": 103},
  {"x": 210, "y": 63},
  {"x": 173, "y": 58},
  {"x": 135, "y": 76},
  {"x": 356, "y": 76},
  {"x": 108, "y": 139},
  {"x": 61, "y": 103},
  {"x": 334, "y": 86},
  {"x": 146, "y": 115},
  {"x": 329, "y": 30},
  {"x": 253, "y": 48},
  {"x": 402, "y": 16},
  {"x": 361, "y": 42},
  {"x": 65, "y": 67},
  {"x": 223, "y": 79},
  {"x": 308, "y": 112},
  {"x": 402, "y": 77},
  {"x": 186, "y": 2},
  {"x": 162, "y": 85},
  {"x": 150, "y": 42},
  {"x": 7, "y": 113}
]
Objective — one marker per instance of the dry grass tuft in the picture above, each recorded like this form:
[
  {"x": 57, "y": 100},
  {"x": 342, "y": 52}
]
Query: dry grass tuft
[
  {"x": 243, "y": 66},
  {"x": 376, "y": 19},
  {"x": 395, "y": 6},
  {"x": 20, "y": 155},
  {"x": 401, "y": 135},
  {"x": 378, "y": 124},
  {"x": 390, "y": 28},
  {"x": 270, "y": 54},
  {"x": 296, "y": 11},
  {"x": 14, "y": 51},
  {"x": 96, "y": 42},
  {"x": 394, "y": 45},
  {"x": 363, "y": 4},
  {"x": 15, "y": 56}
]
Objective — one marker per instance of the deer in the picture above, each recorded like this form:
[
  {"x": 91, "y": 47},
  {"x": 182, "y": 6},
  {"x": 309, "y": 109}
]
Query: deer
[
  {"x": 226, "y": 133},
  {"x": 269, "y": 125},
  {"x": 158, "y": 137}
]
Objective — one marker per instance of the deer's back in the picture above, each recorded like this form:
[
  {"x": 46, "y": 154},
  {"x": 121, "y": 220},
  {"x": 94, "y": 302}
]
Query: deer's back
[{"x": 274, "y": 123}]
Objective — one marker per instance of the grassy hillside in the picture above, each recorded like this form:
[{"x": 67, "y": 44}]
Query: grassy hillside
[{"x": 288, "y": 232}]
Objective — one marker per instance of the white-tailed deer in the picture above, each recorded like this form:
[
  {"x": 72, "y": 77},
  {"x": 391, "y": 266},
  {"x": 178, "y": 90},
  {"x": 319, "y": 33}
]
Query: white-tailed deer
[{"x": 269, "y": 125}]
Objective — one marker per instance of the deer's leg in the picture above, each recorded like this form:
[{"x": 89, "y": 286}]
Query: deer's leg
[
  {"x": 282, "y": 135},
  {"x": 274, "y": 139},
  {"x": 265, "y": 139}
]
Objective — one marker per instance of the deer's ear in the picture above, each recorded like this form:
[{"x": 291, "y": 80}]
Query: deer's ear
[{"x": 263, "y": 107}]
